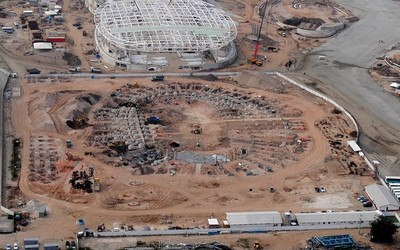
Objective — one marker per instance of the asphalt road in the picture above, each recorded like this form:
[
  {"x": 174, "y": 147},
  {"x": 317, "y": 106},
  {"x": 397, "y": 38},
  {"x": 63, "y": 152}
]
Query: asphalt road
[{"x": 349, "y": 55}]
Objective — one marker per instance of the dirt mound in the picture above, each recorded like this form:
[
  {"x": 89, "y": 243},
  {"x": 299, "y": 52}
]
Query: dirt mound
[
  {"x": 78, "y": 106},
  {"x": 92, "y": 99},
  {"x": 248, "y": 78},
  {"x": 72, "y": 60},
  {"x": 38, "y": 110},
  {"x": 257, "y": 80},
  {"x": 210, "y": 77}
]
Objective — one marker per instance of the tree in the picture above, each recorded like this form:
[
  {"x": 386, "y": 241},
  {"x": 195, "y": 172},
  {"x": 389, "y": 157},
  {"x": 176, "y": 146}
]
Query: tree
[{"x": 382, "y": 230}]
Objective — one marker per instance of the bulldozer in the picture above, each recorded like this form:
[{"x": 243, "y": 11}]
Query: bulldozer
[{"x": 81, "y": 121}]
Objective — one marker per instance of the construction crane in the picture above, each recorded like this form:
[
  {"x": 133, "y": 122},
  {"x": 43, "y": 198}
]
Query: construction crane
[{"x": 254, "y": 59}]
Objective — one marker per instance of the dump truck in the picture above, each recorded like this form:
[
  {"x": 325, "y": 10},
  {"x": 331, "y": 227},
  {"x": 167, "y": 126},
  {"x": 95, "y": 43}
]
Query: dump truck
[{"x": 96, "y": 184}]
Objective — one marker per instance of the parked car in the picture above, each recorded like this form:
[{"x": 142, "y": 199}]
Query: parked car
[
  {"x": 317, "y": 190},
  {"x": 16, "y": 246},
  {"x": 8, "y": 247},
  {"x": 157, "y": 78},
  {"x": 33, "y": 71},
  {"x": 362, "y": 200},
  {"x": 322, "y": 189},
  {"x": 361, "y": 197},
  {"x": 73, "y": 245},
  {"x": 367, "y": 204},
  {"x": 67, "y": 244}
]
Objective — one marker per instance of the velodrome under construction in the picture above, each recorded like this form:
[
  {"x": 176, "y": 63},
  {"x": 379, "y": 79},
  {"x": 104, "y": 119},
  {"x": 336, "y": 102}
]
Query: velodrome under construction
[{"x": 145, "y": 34}]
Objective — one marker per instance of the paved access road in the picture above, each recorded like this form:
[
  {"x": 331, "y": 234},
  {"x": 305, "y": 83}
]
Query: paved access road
[{"x": 349, "y": 55}]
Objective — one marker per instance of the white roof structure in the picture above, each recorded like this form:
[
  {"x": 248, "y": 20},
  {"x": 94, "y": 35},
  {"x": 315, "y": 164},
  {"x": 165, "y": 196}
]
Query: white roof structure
[
  {"x": 254, "y": 218},
  {"x": 164, "y": 25},
  {"x": 213, "y": 222},
  {"x": 338, "y": 217},
  {"x": 354, "y": 146},
  {"x": 382, "y": 197},
  {"x": 43, "y": 46}
]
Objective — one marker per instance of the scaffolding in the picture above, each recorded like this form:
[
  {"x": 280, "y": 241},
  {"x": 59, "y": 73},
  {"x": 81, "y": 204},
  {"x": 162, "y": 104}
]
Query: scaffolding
[{"x": 164, "y": 25}]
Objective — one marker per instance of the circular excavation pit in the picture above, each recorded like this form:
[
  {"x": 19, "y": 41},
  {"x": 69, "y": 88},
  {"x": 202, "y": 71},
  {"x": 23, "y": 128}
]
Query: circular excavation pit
[
  {"x": 153, "y": 129},
  {"x": 176, "y": 145}
]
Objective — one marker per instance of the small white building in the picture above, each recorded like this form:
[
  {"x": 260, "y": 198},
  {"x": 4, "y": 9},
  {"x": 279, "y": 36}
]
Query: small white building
[
  {"x": 27, "y": 13},
  {"x": 382, "y": 197},
  {"x": 354, "y": 146},
  {"x": 362, "y": 218},
  {"x": 43, "y": 46},
  {"x": 268, "y": 218},
  {"x": 213, "y": 223}
]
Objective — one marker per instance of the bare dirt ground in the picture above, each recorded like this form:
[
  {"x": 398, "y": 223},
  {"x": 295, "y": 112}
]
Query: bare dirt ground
[
  {"x": 194, "y": 192},
  {"x": 244, "y": 12}
]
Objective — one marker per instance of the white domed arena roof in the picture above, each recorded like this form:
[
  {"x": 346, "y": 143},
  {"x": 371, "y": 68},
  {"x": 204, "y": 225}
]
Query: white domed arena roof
[{"x": 164, "y": 25}]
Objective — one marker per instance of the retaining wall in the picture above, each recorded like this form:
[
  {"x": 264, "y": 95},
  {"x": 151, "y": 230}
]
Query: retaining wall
[
  {"x": 3, "y": 82},
  {"x": 325, "y": 30}
]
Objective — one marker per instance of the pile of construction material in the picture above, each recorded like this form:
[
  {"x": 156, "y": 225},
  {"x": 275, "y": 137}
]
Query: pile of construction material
[{"x": 82, "y": 180}]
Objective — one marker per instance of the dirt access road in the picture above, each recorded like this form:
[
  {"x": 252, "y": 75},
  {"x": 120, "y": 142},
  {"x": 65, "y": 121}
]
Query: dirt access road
[{"x": 349, "y": 55}]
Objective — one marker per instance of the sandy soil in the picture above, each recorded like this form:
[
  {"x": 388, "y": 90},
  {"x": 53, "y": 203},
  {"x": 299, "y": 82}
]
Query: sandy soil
[{"x": 191, "y": 195}]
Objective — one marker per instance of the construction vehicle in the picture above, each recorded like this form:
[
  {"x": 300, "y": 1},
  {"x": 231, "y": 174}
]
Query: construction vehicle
[
  {"x": 74, "y": 69},
  {"x": 96, "y": 184},
  {"x": 101, "y": 228},
  {"x": 254, "y": 59},
  {"x": 256, "y": 245},
  {"x": 95, "y": 70}
]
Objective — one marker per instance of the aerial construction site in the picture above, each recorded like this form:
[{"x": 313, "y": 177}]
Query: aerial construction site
[{"x": 114, "y": 122}]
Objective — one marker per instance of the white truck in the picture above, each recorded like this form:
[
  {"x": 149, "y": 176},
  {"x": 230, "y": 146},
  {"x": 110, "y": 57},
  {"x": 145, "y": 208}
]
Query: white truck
[{"x": 75, "y": 69}]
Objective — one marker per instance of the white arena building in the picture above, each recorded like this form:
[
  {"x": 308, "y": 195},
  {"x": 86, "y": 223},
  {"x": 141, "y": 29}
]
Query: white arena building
[{"x": 154, "y": 34}]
